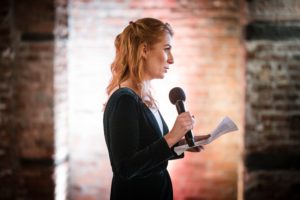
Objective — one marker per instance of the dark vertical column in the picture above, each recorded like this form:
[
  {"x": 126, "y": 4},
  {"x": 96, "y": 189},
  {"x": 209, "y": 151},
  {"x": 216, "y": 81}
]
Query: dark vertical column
[
  {"x": 7, "y": 133},
  {"x": 272, "y": 139},
  {"x": 34, "y": 97}
]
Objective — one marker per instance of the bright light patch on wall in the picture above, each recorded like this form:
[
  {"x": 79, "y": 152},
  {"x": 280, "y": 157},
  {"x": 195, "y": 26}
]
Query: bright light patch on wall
[
  {"x": 89, "y": 73},
  {"x": 61, "y": 182}
]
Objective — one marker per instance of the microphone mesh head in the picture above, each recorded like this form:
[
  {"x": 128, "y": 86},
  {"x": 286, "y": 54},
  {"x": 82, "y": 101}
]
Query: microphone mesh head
[{"x": 176, "y": 94}]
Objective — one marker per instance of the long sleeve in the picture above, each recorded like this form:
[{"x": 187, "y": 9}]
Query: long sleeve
[{"x": 124, "y": 132}]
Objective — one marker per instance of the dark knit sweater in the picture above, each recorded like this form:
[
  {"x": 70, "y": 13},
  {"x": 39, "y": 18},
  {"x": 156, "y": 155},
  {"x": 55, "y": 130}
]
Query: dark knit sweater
[{"x": 138, "y": 153}]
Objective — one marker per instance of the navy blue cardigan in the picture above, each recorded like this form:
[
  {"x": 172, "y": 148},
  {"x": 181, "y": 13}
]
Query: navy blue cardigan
[{"x": 138, "y": 152}]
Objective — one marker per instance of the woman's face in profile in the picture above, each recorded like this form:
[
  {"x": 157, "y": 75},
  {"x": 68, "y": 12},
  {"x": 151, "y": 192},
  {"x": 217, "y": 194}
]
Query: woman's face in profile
[{"x": 158, "y": 58}]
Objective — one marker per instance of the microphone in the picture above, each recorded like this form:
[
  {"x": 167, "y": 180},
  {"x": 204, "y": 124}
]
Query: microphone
[{"x": 177, "y": 97}]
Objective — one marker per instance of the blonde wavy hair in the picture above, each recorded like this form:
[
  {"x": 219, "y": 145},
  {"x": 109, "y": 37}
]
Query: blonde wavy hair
[{"x": 128, "y": 62}]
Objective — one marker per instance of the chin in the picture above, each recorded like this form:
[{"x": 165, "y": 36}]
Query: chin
[
  {"x": 159, "y": 76},
  {"x": 162, "y": 76}
]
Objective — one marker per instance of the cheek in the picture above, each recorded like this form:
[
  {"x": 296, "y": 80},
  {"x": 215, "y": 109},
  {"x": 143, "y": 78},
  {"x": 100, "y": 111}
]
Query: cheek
[{"x": 163, "y": 57}]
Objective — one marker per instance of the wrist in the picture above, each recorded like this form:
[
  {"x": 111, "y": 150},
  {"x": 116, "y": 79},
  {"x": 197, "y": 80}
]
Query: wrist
[{"x": 170, "y": 139}]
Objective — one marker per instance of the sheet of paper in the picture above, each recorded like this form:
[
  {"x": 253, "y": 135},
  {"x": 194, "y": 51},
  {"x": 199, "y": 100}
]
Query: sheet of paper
[{"x": 225, "y": 126}]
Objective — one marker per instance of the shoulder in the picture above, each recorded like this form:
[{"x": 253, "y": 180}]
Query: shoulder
[
  {"x": 123, "y": 93},
  {"x": 124, "y": 96}
]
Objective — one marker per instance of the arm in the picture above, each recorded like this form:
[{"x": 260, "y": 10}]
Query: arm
[{"x": 129, "y": 161}]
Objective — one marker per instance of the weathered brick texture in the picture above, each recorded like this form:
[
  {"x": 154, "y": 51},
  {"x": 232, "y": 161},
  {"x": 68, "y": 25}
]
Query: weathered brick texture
[
  {"x": 27, "y": 125},
  {"x": 7, "y": 136},
  {"x": 272, "y": 139},
  {"x": 35, "y": 97}
]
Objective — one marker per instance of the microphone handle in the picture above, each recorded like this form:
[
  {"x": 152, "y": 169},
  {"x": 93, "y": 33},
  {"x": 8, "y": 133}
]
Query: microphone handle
[
  {"x": 189, "y": 138},
  {"x": 189, "y": 135}
]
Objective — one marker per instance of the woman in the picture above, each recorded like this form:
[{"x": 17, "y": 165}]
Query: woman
[{"x": 137, "y": 137}]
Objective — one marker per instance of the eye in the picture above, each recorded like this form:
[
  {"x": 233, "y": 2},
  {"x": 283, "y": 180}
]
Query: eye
[{"x": 168, "y": 49}]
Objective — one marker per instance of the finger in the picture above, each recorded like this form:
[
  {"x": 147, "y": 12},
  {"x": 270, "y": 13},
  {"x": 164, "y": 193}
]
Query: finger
[
  {"x": 190, "y": 119},
  {"x": 188, "y": 123},
  {"x": 201, "y": 137},
  {"x": 182, "y": 142},
  {"x": 194, "y": 149},
  {"x": 188, "y": 115}
]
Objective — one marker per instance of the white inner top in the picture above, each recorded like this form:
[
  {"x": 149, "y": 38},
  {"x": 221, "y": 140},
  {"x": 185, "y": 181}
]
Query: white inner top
[{"x": 158, "y": 118}]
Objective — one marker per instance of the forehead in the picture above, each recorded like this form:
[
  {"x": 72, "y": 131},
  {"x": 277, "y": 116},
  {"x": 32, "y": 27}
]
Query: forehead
[{"x": 164, "y": 39}]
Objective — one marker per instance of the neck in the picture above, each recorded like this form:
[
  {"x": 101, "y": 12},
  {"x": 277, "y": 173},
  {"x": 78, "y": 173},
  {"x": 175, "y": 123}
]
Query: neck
[
  {"x": 144, "y": 90},
  {"x": 129, "y": 84}
]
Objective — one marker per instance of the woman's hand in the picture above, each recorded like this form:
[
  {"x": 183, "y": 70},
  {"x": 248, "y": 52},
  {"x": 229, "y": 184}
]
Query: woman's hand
[
  {"x": 196, "y": 138},
  {"x": 184, "y": 122},
  {"x": 196, "y": 149}
]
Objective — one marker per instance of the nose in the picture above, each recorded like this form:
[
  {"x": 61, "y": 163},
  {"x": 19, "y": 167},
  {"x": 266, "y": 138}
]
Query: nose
[{"x": 170, "y": 58}]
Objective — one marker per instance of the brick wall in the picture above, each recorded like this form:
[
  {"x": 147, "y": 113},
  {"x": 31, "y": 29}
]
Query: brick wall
[
  {"x": 210, "y": 63},
  {"x": 208, "y": 66},
  {"x": 27, "y": 99},
  {"x": 33, "y": 95},
  {"x": 272, "y": 142},
  {"x": 7, "y": 136}
]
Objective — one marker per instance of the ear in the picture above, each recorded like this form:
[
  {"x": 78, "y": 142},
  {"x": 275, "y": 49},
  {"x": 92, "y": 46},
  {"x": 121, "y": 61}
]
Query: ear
[{"x": 145, "y": 50}]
